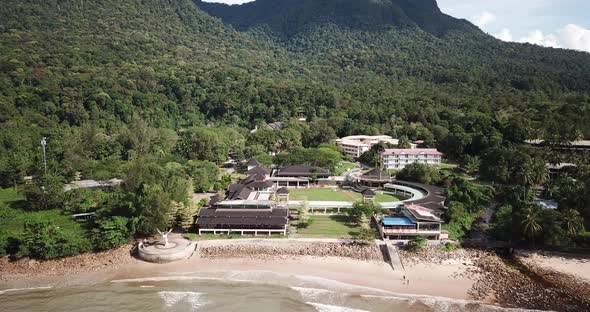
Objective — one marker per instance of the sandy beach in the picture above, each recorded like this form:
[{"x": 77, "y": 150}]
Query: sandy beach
[
  {"x": 420, "y": 278},
  {"x": 465, "y": 274},
  {"x": 574, "y": 265}
]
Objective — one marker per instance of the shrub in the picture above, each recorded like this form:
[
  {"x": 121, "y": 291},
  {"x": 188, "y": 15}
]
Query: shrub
[
  {"x": 43, "y": 240},
  {"x": 420, "y": 173},
  {"x": 110, "y": 233},
  {"x": 449, "y": 247},
  {"x": 583, "y": 240},
  {"x": 417, "y": 243},
  {"x": 366, "y": 235}
]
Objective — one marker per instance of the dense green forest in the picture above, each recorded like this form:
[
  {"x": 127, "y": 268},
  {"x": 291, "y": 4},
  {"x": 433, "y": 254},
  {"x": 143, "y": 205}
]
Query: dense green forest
[{"x": 159, "y": 92}]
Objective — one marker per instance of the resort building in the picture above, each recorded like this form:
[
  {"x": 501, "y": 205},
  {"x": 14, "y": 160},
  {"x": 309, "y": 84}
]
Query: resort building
[
  {"x": 397, "y": 159},
  {"x": 581, "y": 145},
  {"x": 298, "y": 176},
  {"x": 416, "y": 221},
  {"x": 252, "y": 206},
  {"x": 93, "y": 185},
  {"x": 277, "y": 125},
  {"x": 356, "y": 145},
  {"x": 374, "y": 178},
  {"x": 433, "y": 197},
  {"x": 368, "y": 195},
  {"x": 243, "y": 221}
]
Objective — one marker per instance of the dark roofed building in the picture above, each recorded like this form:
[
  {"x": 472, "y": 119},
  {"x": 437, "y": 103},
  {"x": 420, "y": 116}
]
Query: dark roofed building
[
  {"x": 261, "y": 170},
  {"x": 303, "y": 171},
  {"x": 417, "y": 221},
  {"x": 282, "y": 194},
  {"x": 277, "y": 125},
  {"x": 253, "y": 163},
  {"x": 375, "y": 178},
  {"x": 243, "y": 221},
  {"x": 238, "y": 192},
  {"x": 435, "y": 196},
  {"x": 368, "y": 194}
]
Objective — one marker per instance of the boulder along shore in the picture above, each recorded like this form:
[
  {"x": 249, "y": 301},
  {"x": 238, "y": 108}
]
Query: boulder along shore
[
  {"x": 510, "y": 282},
  {"x": 504, "y": 281},
  {"x": 251, "y": 250},
  {"x": 84, "y": 263}
]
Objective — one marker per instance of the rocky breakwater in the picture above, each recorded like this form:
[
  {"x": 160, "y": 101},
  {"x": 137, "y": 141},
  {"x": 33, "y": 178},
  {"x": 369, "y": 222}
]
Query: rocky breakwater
[
  {"x": 346, "y": 250},
  {"x": 85, "y": 263},
  {"x": 510, "y": 283}
]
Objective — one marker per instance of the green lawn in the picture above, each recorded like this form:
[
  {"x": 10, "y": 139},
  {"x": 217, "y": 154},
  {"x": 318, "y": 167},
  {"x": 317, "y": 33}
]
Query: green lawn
[
  {"x": 385, "y": 198},
  {"x": 334, "y": 195},
  {"x": 343, "y": 167},
  {"x": 9, "y": 196},
  {"x": 324, "y": 195},
  {"x": 329, "y": 226},
  {"x": 13, "y": 217}
]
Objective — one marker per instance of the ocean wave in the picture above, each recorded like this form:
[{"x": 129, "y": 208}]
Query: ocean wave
[
  {"x": 166, "y": 278},
  {"x": 334, "y": 291},
  {"x": 332, "y": 308},
  {"x": 23, "y": 289},
  {"x": 172, "y": 298}
]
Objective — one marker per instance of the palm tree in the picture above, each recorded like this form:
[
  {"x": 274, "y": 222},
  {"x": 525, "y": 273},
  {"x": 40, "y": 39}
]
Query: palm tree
[
  {"x": 531, "y": 174},
  {"x": 573, "y": 221},
  {"x": 531, "y": 224}
]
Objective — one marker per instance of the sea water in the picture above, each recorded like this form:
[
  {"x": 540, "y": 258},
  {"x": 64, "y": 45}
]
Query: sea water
[{"x": 207, "y": 293}]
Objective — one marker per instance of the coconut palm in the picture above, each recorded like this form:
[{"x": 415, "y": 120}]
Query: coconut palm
[
  {"x": 531, "y": 224},
  {"x": 531, "y": 174},
  {"x": 573, "y": 221}
]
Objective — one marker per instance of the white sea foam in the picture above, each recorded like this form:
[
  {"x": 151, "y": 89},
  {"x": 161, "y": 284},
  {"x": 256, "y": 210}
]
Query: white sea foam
[
  {"x": 172, "y": 298},
  {"x": 166, "y": 278},
  {"x": 314, "y": 294},
  {"x": 336, "y": 290},
  {"x": 147, "y": 286},
  {"x": 23, "y": 289},
  {"x": 332, "y": 308}
]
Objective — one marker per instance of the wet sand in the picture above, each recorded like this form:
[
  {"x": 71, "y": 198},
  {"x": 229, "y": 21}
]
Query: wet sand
[
  {"x": 439, "y": 280},
  {"x": 464, "y": 274},
  {"x": 574, "y": 265}
]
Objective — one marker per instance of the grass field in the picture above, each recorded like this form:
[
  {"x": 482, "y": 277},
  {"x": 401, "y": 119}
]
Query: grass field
[
  {"x": 329, "y": 226},
  {"x": 13, "y": 217},
  {"x": 343, "y": 167},
  {"x": 334, "y": 195},
  {"x": 324, "y": 195},
  {"x": 385, "y": 198}
]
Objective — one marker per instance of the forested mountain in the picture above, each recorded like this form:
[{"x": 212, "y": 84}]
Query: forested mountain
[
  {"x": 290, "y": 17},
  {"x": 160, "y": 92},
  {"x": 71, "y": 69}
]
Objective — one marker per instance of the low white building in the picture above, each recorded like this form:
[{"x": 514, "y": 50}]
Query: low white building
[
  {"x": 356, "y": 145},
  {"x": 397, "y": 159}
]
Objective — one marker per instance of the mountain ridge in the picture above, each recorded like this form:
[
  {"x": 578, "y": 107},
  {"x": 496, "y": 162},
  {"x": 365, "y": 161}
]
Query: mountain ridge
[{"x": 289, "y": 17}]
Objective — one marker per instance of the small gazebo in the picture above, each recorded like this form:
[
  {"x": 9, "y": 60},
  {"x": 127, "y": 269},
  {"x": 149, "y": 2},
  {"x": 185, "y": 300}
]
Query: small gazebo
[
  {"x": 375, "y": 178},
  {"x": 282, "y": 194},
  {"x": 368, "y": 195}
]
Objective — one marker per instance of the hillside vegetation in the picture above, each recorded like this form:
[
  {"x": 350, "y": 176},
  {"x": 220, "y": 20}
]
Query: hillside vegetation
[{"x": 159, "y": 92}]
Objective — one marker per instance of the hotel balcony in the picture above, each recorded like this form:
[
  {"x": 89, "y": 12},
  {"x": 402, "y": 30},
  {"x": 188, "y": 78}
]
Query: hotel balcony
[{"x": 410, "y": 232}]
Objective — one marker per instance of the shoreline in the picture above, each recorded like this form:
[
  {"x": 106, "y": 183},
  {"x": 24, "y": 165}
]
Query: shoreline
[{"x": 468, "y": 275}]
